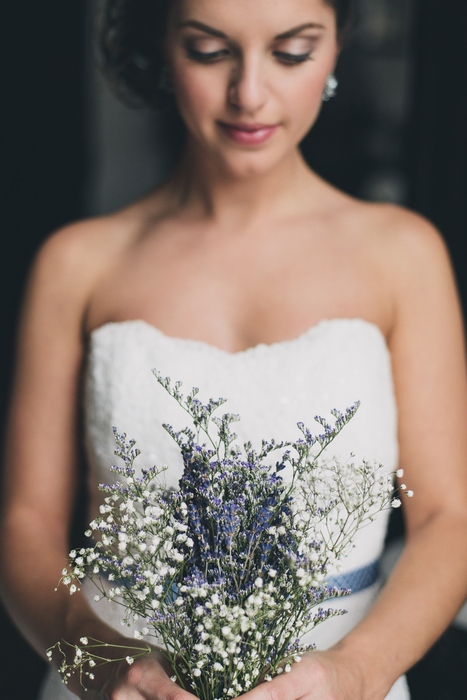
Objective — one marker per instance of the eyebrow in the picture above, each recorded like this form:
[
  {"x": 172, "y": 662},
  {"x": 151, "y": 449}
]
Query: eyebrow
[
  {"x": 203, "y": 27},
  {"x": 215, "y": 32},
  {"x": 301, "y": 28}
]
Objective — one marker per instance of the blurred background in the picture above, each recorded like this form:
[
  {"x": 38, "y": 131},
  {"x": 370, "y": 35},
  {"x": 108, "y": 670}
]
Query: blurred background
[{"x": 395, "y": 132}]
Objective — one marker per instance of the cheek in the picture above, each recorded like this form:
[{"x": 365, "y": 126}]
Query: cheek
[
  {"x": 303, "y": 87},
  {"x": 198, "y": 93},
  {"x": 303, "y": 99}
]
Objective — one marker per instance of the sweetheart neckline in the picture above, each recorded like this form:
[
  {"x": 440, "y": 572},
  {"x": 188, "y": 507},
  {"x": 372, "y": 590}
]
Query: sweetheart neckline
[{"x": 251, "y": 349}]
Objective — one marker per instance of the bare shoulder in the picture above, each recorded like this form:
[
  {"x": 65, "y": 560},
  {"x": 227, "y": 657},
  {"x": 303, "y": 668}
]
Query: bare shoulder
[
  {"x": 413, "y": 259},
  {"x": 376, "y": 223},
  {"x": 403, "y": 257},
  {"x": 78, "y": 252},
  {"x": 74, "y": 258},
  {"x": 64, "y": 274},
  {"x": 417, "y": 261},
  {"x": 404, "y": 236},
  {"x": 84, "y": 251},
  {"x": 404, "y": 245}
]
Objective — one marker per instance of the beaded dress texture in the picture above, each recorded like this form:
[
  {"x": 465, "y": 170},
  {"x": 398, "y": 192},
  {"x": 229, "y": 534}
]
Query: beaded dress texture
[{"x": 272, "y": 387}]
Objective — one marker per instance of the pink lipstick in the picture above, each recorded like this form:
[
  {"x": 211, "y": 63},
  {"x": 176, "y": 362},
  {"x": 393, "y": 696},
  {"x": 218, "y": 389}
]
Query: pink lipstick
[{"x": 248, "y": 134}]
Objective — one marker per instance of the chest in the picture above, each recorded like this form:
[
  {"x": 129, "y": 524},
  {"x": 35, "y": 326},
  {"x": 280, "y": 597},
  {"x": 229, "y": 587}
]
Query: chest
[{"x": 237, "y": 291}]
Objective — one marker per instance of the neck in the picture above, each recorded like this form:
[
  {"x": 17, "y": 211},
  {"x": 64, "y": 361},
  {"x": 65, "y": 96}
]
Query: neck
[{"x": 208, "y": 191}]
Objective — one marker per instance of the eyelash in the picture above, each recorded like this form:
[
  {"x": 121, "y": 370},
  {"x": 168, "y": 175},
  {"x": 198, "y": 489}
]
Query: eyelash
[
  {"x": 203, "y": 57},
  {"x": 293, "y": 58},
  {"x": 289, "y": 59}
]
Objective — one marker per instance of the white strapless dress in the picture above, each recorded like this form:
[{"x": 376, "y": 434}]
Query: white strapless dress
[{"x": 272, "y": 387}]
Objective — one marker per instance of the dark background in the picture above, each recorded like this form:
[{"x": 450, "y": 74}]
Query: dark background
[{"x": 396, "y": 132}]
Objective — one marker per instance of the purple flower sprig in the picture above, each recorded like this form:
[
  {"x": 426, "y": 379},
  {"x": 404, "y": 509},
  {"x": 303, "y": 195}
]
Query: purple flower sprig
[{"x": 228, "y": 572}]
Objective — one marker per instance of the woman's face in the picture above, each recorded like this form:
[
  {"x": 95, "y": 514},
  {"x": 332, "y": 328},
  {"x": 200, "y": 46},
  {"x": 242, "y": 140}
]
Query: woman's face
[{"x": 249, "y": 75}]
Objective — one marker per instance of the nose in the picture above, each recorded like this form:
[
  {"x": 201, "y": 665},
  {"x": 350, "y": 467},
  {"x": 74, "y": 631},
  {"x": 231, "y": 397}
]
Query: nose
[{"x": 247, "y": 88}]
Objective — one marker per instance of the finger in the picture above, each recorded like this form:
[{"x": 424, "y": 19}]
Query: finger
[
  {"x": 302, "y": 679},
  {"x": 125, "y": 694},
  {"x": 283, "y": 687},
  {"x": 154, "y": 684}
]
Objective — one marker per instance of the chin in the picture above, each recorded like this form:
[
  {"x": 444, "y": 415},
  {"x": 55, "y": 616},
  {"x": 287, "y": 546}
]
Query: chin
[{"x": 244, "y": 165}]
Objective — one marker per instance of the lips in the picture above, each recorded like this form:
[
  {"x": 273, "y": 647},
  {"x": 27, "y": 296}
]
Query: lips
[{"x": 248, "y": 134}]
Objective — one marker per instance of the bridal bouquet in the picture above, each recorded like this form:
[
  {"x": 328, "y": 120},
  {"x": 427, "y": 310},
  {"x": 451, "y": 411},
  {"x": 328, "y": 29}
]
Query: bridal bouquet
[{"x": 228, "y": 572}]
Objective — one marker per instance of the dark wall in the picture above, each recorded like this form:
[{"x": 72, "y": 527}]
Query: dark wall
[
  {"x": 42, "y": 174},
  {"x": 436, "y": 157},
  {"x": 42, "y": 135},
  {"x": 437, "y": 131}
]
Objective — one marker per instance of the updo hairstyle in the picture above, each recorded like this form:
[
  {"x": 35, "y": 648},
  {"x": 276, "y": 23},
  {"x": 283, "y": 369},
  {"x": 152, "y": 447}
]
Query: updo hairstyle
[{"x": 131, "y": 33}]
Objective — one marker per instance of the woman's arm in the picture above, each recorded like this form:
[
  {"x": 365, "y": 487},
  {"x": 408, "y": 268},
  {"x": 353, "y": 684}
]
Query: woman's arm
[
  {"x": 41, "y": 465},
  {"x": 427, "y": 347},
  {"x": 429, "y": 583},
  {"x": 40, "y": 461}
]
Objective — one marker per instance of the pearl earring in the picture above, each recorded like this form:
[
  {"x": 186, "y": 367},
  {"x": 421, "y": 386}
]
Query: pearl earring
[{"x": 330, "y": 87}]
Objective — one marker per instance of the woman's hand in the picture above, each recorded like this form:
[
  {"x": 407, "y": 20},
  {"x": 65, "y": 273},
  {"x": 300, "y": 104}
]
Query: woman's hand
[
  {"x": 323, "y": 675},
  {"x": 318, "y": 676},
  {"x": 148, "y": 678}
]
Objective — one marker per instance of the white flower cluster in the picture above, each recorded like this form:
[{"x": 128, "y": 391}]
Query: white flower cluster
[{"x": 87, "y": 656}]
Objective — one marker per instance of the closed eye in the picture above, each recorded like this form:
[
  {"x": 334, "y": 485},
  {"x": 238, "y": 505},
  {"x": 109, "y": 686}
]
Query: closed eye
[
  {"x": 207, "y": 56},
  {"x": 293, "y": 58},
  {"x": 214, "y": 56}
]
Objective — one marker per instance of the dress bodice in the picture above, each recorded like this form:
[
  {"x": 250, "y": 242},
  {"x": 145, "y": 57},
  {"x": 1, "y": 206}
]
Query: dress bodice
[{"x": 272, "y": 387}]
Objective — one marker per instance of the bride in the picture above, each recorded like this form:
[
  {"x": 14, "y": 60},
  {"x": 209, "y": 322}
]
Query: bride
[{"x": 248, "y": 275}]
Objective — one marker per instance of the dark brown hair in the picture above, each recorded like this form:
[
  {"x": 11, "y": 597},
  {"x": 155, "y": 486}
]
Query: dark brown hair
[{"x": 130, "y": 36}]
